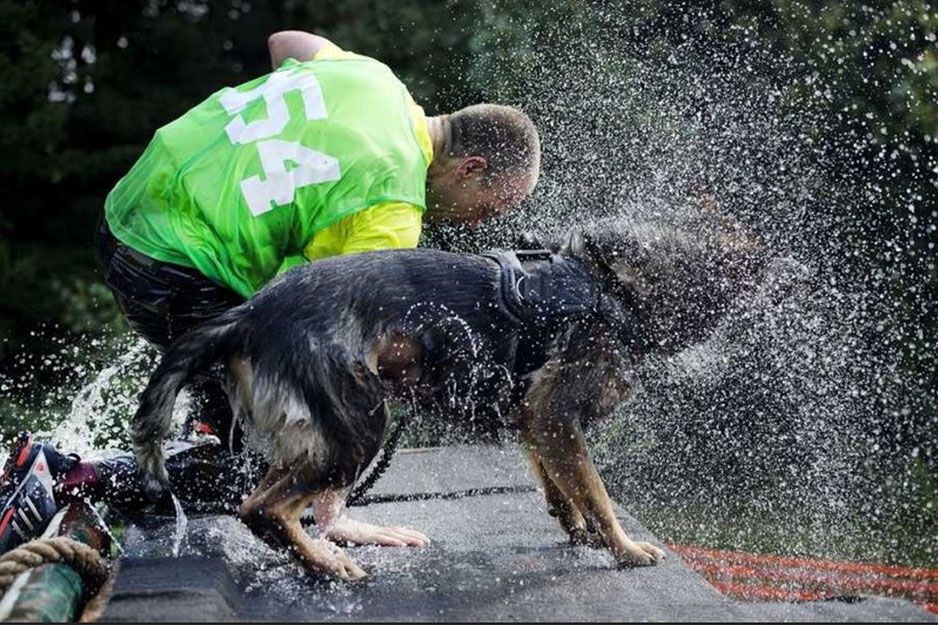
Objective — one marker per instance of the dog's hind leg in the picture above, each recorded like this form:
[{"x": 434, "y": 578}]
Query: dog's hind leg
[
  {"x": 561, "y": 449},
  {"x": 333, "y": 524},
  {"x": 347, "y": 530},
  {"x": 273, "y": 513},
  {"x": 338, "y": 527}
]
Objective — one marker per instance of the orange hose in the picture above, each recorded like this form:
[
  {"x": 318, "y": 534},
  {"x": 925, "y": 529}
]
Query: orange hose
[{"x": 828, "y": 565}]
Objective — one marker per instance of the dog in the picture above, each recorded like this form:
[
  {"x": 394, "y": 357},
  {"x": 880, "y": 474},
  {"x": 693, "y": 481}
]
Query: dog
[{"x": 541, "y": 342}]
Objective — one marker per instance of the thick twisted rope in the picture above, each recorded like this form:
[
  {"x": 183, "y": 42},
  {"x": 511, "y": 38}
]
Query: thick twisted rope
[{"x": 87, "y": 562}]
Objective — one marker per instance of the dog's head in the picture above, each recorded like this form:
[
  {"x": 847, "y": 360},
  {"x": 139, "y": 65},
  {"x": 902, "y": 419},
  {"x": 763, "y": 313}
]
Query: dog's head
[{"x": 678, "y": 279}]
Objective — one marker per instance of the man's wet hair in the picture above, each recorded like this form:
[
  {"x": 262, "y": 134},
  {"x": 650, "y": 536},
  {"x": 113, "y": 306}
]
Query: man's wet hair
[{"x": 503, "y": 135}]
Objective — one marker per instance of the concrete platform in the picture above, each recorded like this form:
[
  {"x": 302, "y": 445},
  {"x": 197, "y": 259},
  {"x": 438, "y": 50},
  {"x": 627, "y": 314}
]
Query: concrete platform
[{"x": 496, "y": 555}]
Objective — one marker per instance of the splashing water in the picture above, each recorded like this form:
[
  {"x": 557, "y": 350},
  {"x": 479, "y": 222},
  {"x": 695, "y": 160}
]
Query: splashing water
[
  {"x": 89, "y": 411},
  {"x": 75, "y": 431},
  {"x": 105, "y": 526},
  {"x": 182, "y": 523},
  {"x": 805, "y": 425},
  {"x": 81, "y": 395}
]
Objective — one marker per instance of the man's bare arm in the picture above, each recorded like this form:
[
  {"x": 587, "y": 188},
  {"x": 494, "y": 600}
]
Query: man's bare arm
[{"x": 294, "y": 44}]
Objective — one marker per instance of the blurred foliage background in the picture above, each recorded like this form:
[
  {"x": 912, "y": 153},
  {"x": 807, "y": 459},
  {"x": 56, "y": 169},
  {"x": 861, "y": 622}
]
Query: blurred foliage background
[{"x": 86, "y": 83}]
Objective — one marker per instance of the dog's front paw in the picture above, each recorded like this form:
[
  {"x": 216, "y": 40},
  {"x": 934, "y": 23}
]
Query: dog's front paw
[
  {"x": 638, "y": 554},
  {"x": 655, "y": 552}
]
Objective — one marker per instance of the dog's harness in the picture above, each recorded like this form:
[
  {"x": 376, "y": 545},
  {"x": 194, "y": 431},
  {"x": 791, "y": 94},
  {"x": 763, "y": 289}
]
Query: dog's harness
[{"x": 538, "y": 285}]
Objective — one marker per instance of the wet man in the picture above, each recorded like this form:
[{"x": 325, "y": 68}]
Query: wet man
[{"x": 326, "y": 155}]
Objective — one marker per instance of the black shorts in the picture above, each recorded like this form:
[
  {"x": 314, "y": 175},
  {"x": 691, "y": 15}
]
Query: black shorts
[{"x": 160, "y": 301}]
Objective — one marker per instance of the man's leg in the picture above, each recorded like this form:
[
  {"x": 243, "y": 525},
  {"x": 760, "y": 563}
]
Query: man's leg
[
  {"x": 28, "y": 498},
  {"x": 161, "y": 302}
]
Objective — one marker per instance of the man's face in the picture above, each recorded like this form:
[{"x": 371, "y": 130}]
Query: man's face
[{"x": 463, "y": 194}]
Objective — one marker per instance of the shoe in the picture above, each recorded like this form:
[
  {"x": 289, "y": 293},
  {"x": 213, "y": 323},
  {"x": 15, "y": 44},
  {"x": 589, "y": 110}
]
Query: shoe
[
  {"x": 27, "y": 490},
  {"x": 200, "y": 433}
]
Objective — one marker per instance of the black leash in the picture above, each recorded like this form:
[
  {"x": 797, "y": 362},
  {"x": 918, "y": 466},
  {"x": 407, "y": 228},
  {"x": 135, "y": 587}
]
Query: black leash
[
  {"x": 382, "y": 465},
  {"x": 459, "y": 494}
]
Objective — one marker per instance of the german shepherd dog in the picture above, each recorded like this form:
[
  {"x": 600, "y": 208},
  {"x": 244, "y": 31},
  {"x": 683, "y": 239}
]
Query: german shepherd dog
[{"x": 541, "y": 342}]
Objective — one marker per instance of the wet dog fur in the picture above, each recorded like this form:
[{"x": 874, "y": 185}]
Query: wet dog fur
[{"x": 314, "y": 359}]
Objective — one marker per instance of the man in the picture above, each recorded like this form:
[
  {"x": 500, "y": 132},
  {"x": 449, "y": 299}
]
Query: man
[{"x": 327, "y": 155}]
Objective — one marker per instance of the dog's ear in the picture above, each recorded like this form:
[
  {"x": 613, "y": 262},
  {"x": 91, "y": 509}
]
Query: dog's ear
[{"x": 574, "y": 244}]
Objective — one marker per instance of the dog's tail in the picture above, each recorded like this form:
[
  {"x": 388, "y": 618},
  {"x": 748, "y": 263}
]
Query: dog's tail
[{"x": 189, "y": 355}]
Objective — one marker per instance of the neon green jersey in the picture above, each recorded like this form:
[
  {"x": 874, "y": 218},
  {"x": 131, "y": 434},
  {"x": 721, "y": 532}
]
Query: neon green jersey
[{"x": 249, "y": 176}]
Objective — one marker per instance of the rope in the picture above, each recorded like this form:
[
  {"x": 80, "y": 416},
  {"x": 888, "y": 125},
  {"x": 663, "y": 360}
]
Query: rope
[
  {"x": 95, "y": 606},
  {"x": 87, "y": 562},
  {"x": 383, "y": 463}
]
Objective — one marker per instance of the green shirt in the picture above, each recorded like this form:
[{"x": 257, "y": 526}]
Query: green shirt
[{"x": 249, "y": 176}]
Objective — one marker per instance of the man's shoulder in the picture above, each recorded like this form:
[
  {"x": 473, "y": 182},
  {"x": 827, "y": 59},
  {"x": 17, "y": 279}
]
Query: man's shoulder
[{"x": 329, "y": 52}]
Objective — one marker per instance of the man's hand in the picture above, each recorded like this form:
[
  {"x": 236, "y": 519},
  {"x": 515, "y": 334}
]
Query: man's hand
[
  {"x": 294, "y": 44},
  {"x": 351, "y": 531}
]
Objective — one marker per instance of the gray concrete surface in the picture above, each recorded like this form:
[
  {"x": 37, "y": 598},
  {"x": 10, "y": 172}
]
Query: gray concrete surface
[{"x": 496, "y": 555}]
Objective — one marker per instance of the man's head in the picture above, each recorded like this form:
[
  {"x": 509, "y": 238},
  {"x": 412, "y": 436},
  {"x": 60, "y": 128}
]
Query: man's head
[{"x": 487, "y": 158}]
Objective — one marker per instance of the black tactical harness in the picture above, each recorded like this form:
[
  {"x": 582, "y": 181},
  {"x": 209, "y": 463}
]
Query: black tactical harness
[{"x": 539, "y": 285}]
